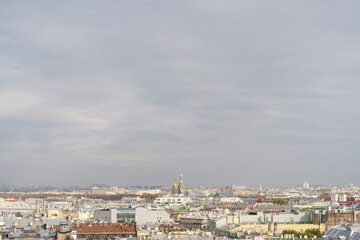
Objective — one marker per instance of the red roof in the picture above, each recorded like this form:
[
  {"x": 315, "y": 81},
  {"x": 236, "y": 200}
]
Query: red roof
[{"x": 91, "y": 228}]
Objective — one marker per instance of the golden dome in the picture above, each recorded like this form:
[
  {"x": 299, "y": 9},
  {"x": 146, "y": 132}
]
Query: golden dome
[{"x": 175, "y": 185}]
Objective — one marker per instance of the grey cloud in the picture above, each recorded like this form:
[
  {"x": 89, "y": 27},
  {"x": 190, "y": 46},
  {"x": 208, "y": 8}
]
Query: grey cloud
[{"x": 234, "y": 89}]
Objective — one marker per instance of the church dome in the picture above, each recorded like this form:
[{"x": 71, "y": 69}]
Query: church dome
[{"x": 175, "y": 185}]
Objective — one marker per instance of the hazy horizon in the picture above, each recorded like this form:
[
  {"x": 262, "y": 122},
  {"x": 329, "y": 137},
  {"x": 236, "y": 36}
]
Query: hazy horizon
[
  {"x": 137, "y": 92},
  {"x": 169, "y": 186}
]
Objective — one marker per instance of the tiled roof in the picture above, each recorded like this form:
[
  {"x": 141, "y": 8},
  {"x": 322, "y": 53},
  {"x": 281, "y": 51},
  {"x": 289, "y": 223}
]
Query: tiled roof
[{"x": 103, "y": 228}]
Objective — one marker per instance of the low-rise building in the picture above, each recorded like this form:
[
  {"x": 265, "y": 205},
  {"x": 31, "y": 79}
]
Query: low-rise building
[
  {"x": 125, "y": 215},
  {"x": 106, "y": 215},
  {"x": 154, "y": 216},
  {"x": 85, "y": 231},
  {"x": 195, "y": 222},
  {"x": 173, "y": 200},
  {"x": 335, "y": 217},
  {"x": 343, "y": 232}
]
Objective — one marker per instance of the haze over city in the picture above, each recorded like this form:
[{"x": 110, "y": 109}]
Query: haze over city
[{"x": 137, "y": 92}]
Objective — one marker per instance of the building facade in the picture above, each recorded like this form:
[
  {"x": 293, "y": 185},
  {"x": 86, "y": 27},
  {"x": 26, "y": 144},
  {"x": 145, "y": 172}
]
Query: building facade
[
  {"x": 106, "y": 215},
  {"x": 125, "y": 215},
  {"x": 153, "y": 216}
]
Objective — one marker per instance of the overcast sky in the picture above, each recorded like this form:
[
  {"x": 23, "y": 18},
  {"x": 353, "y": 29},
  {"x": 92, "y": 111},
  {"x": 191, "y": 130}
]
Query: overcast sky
[{"x": 137, "y": 92}]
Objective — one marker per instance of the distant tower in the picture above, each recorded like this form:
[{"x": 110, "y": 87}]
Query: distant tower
[
  {"x": 175, "y": 189},
  {"x": 260, "y": 188},
  {"x": 181, "y": 185}
]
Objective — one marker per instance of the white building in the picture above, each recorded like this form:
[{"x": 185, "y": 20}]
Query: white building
[
  {"x": 109, "y": 191},
  {"x": 173, "y": 200},
  {"x": 153, "y": 216},
  {"x": 84, "y": 214},
  {"x": 230, "y": 200},
  {"x": 335, "y": 197},
  {"x": 342, "y": 197},
  {"x": 306, "y": 185},
  {"x": 238, "y": 187}
]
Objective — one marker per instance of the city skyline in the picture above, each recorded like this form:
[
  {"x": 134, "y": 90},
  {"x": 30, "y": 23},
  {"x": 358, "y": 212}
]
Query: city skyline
[
  {"x": 134, "y": 93},
  {"x": 170, "y": 187}
]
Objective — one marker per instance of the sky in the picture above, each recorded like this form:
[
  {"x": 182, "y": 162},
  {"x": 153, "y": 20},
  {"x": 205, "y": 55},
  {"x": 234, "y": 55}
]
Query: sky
[{"x": 138, "y": 92}]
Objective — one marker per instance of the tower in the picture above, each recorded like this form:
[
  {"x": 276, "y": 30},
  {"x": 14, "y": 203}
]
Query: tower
[
  {"x": 260, "y": 188},
  {"x": 181, "y": 185}
]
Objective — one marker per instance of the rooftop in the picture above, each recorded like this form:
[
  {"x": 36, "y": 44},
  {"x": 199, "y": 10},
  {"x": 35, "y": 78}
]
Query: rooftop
[{"x": 104, "y": 228}]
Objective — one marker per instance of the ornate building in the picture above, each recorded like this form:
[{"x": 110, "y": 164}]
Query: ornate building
[
  {"x": 175, "y": 187},
  {"x": 179, "y": 189}
]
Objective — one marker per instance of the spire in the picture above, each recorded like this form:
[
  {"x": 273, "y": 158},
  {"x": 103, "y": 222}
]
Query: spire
[{"x": 260, "y": 188}]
